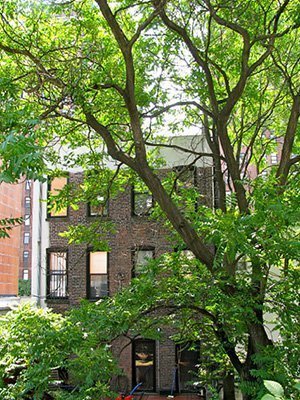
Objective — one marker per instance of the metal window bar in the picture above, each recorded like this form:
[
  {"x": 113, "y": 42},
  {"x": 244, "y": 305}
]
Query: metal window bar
[
  {"x": 57, "y": 281},
  {"x": 58, "y": 284}
]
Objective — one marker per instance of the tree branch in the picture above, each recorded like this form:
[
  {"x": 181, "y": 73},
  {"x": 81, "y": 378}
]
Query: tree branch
[
  {"x": 129, "y": 96},
  {"x": 285, "y": 161},
  {"x": 177, "y": 104},
  {"x": 195, "y": 53},
  {"x": 112, "y": 147}
]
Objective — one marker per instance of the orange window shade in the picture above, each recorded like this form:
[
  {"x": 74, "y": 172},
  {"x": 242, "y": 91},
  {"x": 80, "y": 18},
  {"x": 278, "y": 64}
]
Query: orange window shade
[
  {"x": 57, "y": 184},
  {"x": 98, "y": 262}
]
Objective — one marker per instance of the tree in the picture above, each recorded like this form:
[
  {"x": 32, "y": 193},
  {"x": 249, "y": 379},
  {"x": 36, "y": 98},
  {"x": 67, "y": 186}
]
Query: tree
[{"x": 89, "y": 73}]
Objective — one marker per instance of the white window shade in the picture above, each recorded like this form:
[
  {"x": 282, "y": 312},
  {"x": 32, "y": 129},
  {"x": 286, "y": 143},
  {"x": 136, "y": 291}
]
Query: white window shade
[
  {"x": 58, "y": 261},
  {"x": 143, "y": 256}
]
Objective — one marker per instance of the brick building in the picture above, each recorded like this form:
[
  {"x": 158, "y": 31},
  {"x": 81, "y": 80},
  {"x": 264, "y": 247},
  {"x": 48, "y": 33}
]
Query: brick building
[
  {"x": 10, "y": 207},
  {"x": 64, "y": 274}
]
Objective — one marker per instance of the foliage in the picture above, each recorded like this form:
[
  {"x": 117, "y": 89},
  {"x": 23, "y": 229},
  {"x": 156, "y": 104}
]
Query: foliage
[
  {"x": 276, "y": 390},
  {"x": 24, "y": 287},
  {"x": 101, "y": 86},
  {"x": 7, "y": 224},
  {"x": 34, "y": 342}
]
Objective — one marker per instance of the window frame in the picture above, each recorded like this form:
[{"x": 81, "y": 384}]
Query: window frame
[
  {"x": 48, "y": 254},
  {"x": 49, "y": 182},
  {"x": 27, "y": 202},
  {"x": 274, "y": 158},
  {"x": 25, "y": 274},
  {"x": 88, "y": 278},
  {"x": 27, "y": 221},
  {"x": 26, "y": 235},
  {"x": 27, "y": 184},
  {"x": 188, "y": 168},
  {"x": 133, "y": 257},
  {"x": 25, "y": 258}
]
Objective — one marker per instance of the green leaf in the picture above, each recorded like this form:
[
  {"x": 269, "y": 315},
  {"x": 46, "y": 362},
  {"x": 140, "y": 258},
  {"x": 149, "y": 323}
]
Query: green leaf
[
  {"x": 268, "y": 397},
  {"x": 274, "y": 387},
  {"x": 297, "y": 386}
]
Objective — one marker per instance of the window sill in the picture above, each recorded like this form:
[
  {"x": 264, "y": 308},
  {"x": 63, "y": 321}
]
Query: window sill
[
  {"x": 66, "y": 218},
  {"x": 63, "y": 300}
]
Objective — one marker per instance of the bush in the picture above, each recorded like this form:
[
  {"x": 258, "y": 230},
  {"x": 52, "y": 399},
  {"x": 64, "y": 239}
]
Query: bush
[{"x": 24, "y": 287}]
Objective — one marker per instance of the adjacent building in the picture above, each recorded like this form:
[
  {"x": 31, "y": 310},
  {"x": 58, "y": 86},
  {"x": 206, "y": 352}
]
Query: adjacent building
[{"x": 10, "y": 207}]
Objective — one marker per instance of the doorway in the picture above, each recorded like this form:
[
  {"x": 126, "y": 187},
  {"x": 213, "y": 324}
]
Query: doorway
[
  {"x": 144, "y": 364},
  {"x": 187, "y": 361}
]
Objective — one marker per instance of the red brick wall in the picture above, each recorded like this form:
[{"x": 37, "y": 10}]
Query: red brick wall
[{"x": 10, "y": 206}]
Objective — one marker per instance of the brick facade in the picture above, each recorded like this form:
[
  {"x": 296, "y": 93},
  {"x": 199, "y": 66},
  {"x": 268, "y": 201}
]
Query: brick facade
[
  {"x": 10, "y": 207},
  {"x": 130, "y": 232}
]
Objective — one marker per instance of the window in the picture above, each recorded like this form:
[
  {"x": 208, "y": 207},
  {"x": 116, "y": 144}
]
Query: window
[
  {"x": 55, "y": 186},
  {"x": 57, "y": 274},
  {"x": 264, "y": 173},
  {"x": 144, "y": 364},
  {"x": 241, "y": 158},
  {"x": 230, "y": 199},
  {"x": 27, "y": 184},
  {"x": 186, "y": 262},
  {"x": 99, "y": 207},
  {"x": 186, "y": 177},
  {"x": 26, "y": 237},
  {"x": 142, "y": 200},
  {"x": 27, "y": 202},
  {"x": 273, "y": 158},
  {"x": 25, "y": 257},
  {"x": 140, "y": 260},
  {"x": 97, "y": 274},
  {"x": 27, "y": 219},
  {"x": 25, "y": 274}
]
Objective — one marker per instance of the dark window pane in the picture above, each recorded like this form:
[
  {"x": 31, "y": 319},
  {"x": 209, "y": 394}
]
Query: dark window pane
[
  {"x": 141, "y": 258},
  {"x": 143, "y": 203},
  {"x": 98, "y": 207},
  {"x": 188, "y": 358},
  {"x": 98, "y": 286}
]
